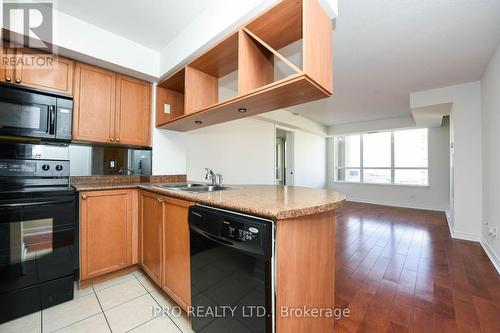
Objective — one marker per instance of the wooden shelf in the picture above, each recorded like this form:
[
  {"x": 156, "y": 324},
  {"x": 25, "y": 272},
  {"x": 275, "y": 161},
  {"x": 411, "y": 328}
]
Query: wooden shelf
[
  {"x": 280, "y": 25},
  {"x": 201, "y": 90},
  {"x": 294, "y": 90},
  {"x": 175, "y": 82},
  {"x": 256, "y": 64},
  {"x": 221, "y": 59},
  {"x": 195, "y": 96},
  {"x": 170, "y": 92}
]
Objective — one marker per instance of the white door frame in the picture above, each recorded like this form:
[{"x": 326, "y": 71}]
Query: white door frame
[{"x": 289, "y": 154}]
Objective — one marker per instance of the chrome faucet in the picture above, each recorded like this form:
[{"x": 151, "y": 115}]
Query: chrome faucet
[
  {"x": 211, "y": 176},
  {"x": 215, "y": 179},
  {"x": 218, "y": 179}
]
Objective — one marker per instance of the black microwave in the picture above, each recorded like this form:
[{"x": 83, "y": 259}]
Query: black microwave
[{"x": 31, "y": 113}]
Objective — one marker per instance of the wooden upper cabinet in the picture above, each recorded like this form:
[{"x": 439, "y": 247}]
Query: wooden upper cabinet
[
  {"x": 57, "y": 74},
  {"x": 151, "y": 220},
  {"x": 7, "y": 71},
  {"x": 133, "y": 111},
  {"x": 40, "y": 70},
  {"x": 176, "y": 255},
  {"x": 94, "y": 104},
  {"x": 111, "y": 108},
  {"x": 105, "y": 239}
]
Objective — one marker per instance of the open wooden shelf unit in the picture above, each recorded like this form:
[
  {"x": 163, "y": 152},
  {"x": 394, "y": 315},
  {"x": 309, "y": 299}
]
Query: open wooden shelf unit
[{"x": 198, "y": 95}]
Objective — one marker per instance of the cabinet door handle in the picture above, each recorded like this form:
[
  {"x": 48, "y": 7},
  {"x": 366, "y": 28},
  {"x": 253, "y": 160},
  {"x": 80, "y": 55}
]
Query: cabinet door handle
[
  {"x": 118, "y": 140},
  {"x": 111, "y": 139},
  {"x": 159, "y": 199},
  {"x": 84, "y": 197},
  {"x": 18, "y": 80},
  {"x": 8, "y": 78}
]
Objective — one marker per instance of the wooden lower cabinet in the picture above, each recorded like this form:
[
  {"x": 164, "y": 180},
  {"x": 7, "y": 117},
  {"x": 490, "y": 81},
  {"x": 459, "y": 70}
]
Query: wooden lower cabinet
[
  {"x": 164, "y": 244},
  {"x": 151, "y": 220},
  {"x": 176, "y": 280},
  {"x": 108, "y": 231}
]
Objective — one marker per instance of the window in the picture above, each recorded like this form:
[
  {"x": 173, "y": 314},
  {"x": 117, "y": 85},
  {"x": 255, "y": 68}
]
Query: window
[{"x": 392, "y": 157}]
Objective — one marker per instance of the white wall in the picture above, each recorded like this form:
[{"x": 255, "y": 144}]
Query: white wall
[
  {"x": 241, "y": 150},
  {"x": 372, "y": 125},
  {"x": 434, "y": 197},
  {"x": 287, "y": 119},
  {"x": 169, "y": 147},
  {"x": 466, "y": 117},
  {"x": 490, "y": 86},
  {"x": 85, "y": 42},
  {"x": 244, "y": 152},
  {"x": 309, "y": 159}
]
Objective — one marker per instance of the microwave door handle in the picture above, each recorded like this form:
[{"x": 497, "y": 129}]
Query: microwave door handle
[{"x": 52, "y": 119}]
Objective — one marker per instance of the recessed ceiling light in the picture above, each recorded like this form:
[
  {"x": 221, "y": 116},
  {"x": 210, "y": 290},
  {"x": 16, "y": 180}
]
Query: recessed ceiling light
[{"x": 242, "y": 110}]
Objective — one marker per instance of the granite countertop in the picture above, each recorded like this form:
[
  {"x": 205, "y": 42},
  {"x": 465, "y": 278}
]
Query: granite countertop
[
  {"x": 270, "y": 201},
  {"x": 101, "y": 183}
]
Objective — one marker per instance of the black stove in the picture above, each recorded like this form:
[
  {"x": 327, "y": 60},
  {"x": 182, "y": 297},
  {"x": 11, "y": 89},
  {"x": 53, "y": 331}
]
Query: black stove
[{"x": 38, "y": 229}]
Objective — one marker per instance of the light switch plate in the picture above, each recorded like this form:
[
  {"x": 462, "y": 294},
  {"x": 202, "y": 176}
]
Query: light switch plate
[{"x": 166, "y": 108}]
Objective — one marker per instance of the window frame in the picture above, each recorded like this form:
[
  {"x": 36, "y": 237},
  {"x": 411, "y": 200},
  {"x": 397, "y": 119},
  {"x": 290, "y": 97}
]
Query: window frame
[{"x": 361, "y": 167}]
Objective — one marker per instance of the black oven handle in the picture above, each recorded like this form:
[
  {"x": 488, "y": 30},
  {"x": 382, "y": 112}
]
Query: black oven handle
[
  {"x": 35, "y": 203},
  {"x": 52, "y": 119}
]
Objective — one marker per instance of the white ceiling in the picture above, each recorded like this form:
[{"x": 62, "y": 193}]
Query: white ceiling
[
  {"x": 386, "y": 49},
  {"x": 383, "y": 50},
  {"x": 152, "y": 23}
]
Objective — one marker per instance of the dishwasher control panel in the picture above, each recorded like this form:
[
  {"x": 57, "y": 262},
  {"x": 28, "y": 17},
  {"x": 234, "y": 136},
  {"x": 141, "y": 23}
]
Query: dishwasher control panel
[
  {"x": 238, "y": 231},
  {"x": 247, "y": 233}
]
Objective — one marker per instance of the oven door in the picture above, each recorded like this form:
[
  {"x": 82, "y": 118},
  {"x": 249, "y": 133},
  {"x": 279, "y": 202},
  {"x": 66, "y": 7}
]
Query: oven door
[
  {"x": 27, "y": 114},
  {"x": 37, "y": 238}
]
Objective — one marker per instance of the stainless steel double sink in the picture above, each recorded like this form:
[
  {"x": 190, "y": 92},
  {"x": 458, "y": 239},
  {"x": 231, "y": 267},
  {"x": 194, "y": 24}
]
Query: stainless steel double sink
[{"x": 193, "y": 187}]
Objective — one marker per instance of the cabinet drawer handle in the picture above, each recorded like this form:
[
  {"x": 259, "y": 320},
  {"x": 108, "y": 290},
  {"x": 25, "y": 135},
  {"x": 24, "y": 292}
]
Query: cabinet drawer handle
[
  {"x": 8, "y": 78},
  {"x": 84, "y": 197},
  {"x": 18, "y": 81}
]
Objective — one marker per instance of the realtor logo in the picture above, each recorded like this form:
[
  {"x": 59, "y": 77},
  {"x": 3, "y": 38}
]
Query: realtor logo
[{"x": 29, "y": 25}]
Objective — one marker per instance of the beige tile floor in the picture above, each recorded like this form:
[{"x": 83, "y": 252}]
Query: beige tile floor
[{"x": 124, "y": 304}]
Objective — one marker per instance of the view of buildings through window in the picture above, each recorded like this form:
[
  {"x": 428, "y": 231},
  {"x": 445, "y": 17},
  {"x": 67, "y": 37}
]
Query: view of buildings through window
[{"x": 391, "y": 157}]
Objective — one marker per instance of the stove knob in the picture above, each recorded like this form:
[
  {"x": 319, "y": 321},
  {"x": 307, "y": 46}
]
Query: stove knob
[
  {"x": 45, "y": 167},
  {"x": 59, "y": 167}
]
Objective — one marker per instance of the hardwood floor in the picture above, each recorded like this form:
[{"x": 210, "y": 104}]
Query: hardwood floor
[{"x": 399, "y": 270}]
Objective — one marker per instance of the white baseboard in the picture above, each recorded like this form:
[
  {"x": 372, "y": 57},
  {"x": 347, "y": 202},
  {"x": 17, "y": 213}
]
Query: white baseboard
[
  {"x": 465, "y": 236},
  {"x": 494, "y": 258},
  {"x": 460, "y": 235},
  {"x": 397, "y": 204}
]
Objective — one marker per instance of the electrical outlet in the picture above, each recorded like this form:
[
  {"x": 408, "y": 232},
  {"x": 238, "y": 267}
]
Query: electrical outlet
[
  {"x": 166, "y": 108},
  {"x": 492, "y": 232}
]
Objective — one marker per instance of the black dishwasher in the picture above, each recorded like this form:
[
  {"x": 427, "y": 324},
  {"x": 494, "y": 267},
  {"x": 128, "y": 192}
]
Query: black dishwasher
[{"x": 232, "y": 274}]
